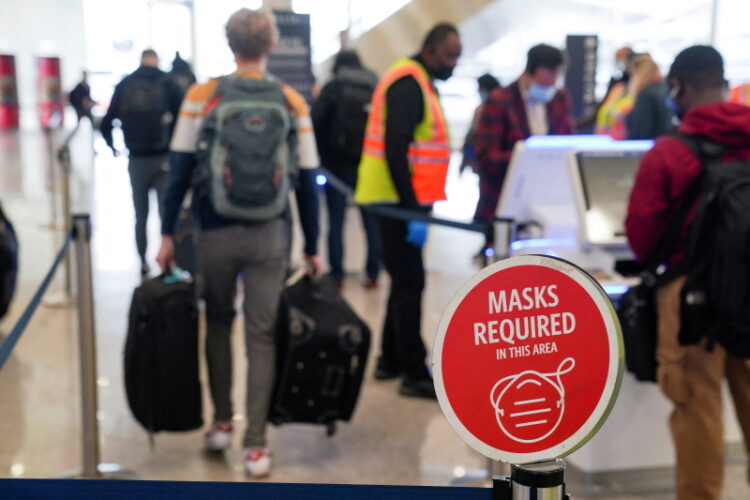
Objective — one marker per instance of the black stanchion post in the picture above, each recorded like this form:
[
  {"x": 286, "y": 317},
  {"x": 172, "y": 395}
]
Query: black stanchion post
[
  {"x": 537, "y": 481},
  {"x": 90, "y": 427}
]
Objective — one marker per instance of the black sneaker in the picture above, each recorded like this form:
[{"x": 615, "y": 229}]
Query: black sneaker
[
  {"x": 418, "y": 388},
  {"x": 145, "y": 270},
  {"x": 386, "y": 371}
]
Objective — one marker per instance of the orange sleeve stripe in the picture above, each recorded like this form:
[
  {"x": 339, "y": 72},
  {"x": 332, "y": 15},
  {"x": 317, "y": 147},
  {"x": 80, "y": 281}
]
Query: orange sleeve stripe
[
  {"x": 191, "y": 114},
  {"x": 201, "y": 92},
  {"x": 296, "y": 101}
]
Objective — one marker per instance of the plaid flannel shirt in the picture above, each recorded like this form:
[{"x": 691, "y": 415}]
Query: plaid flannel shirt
[{"x": 503, "y": 123}]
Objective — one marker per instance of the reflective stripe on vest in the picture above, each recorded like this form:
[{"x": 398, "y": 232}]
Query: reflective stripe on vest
[{"x": 429, "y": 152}]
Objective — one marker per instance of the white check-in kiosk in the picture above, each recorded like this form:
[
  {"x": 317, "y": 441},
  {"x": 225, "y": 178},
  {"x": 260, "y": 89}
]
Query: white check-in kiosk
[{"x": 572, "y": 194}]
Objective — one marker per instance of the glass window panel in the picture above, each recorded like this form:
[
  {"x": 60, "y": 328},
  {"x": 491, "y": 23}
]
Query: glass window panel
[
  {"x": 213, "y": 56},
  {"x": 327, "y": 21},
  {"x": 171, "y": 29}
]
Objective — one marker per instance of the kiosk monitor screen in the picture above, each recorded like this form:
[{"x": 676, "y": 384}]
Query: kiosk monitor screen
[{"x": 606, "y": 179}]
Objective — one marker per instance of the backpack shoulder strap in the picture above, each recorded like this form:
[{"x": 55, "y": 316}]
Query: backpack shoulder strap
[
  {"x": 700, "y": 146},
  {"x": 672, "y": 231}
]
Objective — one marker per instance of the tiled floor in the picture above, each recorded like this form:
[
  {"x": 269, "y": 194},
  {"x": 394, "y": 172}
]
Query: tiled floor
[{"x": 391, "y": 440}]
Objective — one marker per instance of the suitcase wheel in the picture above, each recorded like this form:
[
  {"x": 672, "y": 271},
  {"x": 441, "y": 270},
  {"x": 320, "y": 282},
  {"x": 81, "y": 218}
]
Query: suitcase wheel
[
  {"x": 331, "y": 428},
  {"x": 350, "y": 337}
]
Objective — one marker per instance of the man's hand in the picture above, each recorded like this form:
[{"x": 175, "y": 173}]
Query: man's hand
[
  {"x": 165, "y": 257},
  {"x": 314, "y": 264}
]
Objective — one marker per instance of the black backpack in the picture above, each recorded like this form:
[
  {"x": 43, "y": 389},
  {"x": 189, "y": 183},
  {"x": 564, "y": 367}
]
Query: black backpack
[
  {"x": 8, "y": 263},
  {"x": 716, "y": 295},
  {"x": 145, "y": 114},
  {"x": 356, "y": 87}
]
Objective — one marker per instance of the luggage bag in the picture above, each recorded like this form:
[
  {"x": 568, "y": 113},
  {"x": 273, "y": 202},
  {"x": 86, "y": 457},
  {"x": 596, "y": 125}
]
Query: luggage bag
[
  {"x": 322, "y": 349},
  {"x": 8, "y": 263},
  {"x": 161, "y": 356}
]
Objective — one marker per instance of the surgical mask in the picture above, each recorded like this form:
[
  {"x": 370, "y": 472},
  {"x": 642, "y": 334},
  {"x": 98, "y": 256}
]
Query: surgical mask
[
  {"x": 443, "y": 72},
  {"x": 541, "y": 93},
  {"x": 484, "y": 95}
]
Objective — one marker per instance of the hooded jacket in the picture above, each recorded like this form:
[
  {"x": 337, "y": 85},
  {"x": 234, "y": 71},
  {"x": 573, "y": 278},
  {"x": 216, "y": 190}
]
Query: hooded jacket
[
  {"x": 667, "y": 171},
  {"x": 174, "y": 97}
]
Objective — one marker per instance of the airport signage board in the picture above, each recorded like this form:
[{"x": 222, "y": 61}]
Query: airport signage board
[
  {"x": 528, "y": 359},
  {"x": 291, "y": 60}
]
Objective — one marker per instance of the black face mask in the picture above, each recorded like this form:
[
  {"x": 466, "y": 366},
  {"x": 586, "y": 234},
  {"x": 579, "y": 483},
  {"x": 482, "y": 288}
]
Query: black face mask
[
  {"x": 677, "y": 111},
  {"x": 442, "y": 72}
]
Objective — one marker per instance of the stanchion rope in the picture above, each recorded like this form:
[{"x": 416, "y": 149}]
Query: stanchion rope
[
  {"x": 404, "y": 213},
  {"x": 6, "y": 348}
]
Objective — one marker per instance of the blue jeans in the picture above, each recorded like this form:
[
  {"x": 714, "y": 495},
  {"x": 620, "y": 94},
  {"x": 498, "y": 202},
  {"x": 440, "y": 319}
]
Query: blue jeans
[{"x": 336, "y": 213}]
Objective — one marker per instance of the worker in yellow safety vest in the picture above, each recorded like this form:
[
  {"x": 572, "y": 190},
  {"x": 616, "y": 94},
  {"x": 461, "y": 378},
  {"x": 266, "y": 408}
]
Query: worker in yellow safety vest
[
  {"x": 740, "y": 95},
  {"x": 404, "y": 161}
]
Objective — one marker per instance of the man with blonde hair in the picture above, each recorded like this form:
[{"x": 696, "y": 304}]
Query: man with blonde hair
[{"x": 240, "y": 138}]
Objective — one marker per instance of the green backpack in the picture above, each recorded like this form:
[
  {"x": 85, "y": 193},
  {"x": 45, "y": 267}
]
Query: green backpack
[{"x": 246, "y": 152}]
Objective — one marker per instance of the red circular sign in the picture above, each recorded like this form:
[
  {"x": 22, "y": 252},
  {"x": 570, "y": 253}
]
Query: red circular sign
[{"x": 528, "y": 359}]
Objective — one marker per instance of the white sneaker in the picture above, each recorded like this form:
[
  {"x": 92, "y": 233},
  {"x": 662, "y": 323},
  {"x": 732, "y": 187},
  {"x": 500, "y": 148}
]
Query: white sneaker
[
  {"x": 219, "y": 436},
  {"x": 258, "y": 462}
]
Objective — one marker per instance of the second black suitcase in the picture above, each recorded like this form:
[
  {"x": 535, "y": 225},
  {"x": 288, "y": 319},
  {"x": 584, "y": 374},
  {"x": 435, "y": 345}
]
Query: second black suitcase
[
  {"x": 161, "y": 357},
  {"x": 8, "y": 263},
  {"x": 322, "y": 349}
]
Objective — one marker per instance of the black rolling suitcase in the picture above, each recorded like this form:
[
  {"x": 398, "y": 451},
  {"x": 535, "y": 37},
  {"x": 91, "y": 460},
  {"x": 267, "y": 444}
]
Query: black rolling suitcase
[
  {"x": 8, "y": 263},
  {"x": 322, "y": 348},
  {"x": 161, "y": 356}
]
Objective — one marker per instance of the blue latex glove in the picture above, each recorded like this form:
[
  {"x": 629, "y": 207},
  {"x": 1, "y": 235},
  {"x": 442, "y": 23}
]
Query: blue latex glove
[{"x": 416, "y": 233}]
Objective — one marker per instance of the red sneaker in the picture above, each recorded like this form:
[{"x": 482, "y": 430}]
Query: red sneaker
[
  {"x": 219, "y": 436},
  {"x": 258, "y": 462}
]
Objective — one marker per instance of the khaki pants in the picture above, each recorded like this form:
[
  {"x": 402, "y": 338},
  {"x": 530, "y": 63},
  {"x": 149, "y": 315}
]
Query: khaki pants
[{"x": 691, "y": 378}]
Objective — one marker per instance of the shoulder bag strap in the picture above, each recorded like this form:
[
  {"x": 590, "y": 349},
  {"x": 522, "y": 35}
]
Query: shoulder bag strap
[{"x": 672, "y": 231}]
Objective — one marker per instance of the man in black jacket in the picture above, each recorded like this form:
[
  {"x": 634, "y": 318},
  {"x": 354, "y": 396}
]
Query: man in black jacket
[
  {"x": 146, "y": 104},
  {"x": 339, "y": 118}
]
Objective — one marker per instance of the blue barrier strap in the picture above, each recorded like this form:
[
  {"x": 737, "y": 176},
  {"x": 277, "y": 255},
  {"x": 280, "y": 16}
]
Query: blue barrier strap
[
  {"x": 6, "y": 348},
  {"x": 404, "y": 213},
  {"x": 27, "y": 489}
]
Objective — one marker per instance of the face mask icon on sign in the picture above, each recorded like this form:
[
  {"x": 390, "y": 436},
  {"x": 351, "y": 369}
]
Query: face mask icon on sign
[{"x": 529, "y": 406}]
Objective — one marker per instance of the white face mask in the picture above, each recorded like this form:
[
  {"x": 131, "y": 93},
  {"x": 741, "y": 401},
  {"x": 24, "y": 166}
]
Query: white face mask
[{"x": 541, "y": 93}]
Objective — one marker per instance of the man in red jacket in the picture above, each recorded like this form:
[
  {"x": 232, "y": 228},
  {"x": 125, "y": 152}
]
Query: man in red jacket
[{"x": 691, "y": 376}]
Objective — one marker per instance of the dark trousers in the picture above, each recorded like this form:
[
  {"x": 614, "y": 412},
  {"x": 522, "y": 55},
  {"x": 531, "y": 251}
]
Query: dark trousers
[
  {"x": 402, "y": 345},
  {"x": 146, "y": 173},
  {"x": 259, "y": 253},
  {"x": 337, "y": 204}
]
